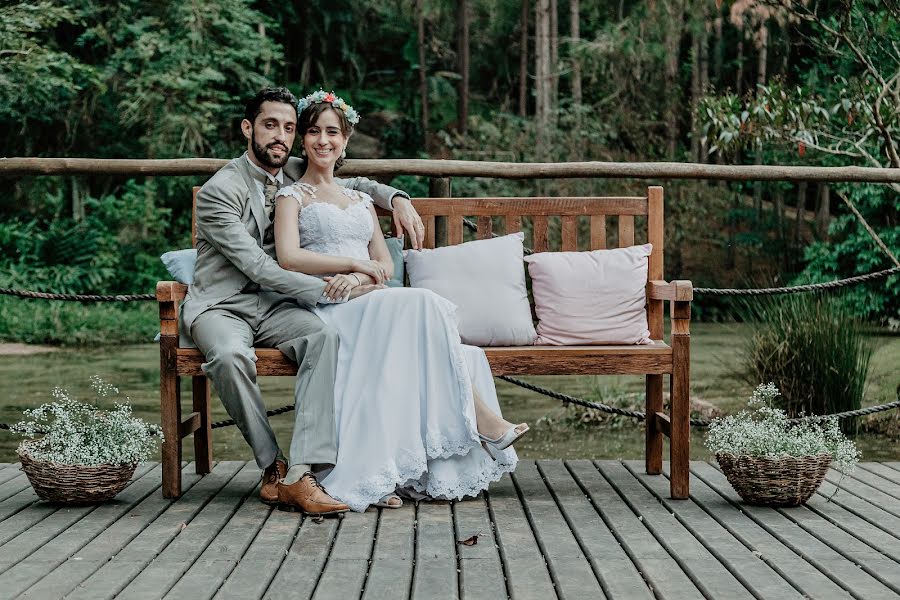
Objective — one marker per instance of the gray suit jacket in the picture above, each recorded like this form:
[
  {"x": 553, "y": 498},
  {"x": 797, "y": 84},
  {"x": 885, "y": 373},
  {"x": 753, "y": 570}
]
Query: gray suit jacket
[{"x": 230, "y": 233}]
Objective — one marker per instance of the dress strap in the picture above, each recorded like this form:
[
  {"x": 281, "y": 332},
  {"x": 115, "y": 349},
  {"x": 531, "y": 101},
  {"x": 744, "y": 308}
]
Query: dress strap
[{"x": 299, "y": 191}]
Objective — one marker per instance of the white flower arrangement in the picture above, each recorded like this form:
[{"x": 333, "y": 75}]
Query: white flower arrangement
[
  {"x": 75, "y": 433},
  {"x": 766, "y": 431}
]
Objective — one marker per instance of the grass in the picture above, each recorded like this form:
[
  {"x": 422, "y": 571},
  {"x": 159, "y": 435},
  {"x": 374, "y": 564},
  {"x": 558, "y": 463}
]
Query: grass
[{"x": 717, "y": 377}]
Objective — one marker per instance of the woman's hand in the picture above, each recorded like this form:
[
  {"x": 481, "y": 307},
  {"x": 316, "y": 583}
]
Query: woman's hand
[
  {"x": 340, "y": 286},
  {"x": 372, "y": 268}
]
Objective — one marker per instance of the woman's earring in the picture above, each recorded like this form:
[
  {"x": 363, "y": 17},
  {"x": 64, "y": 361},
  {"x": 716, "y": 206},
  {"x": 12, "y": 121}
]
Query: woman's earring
[
  {"x": 344, "y": 153},
  {"x": 302, "y": 152}
]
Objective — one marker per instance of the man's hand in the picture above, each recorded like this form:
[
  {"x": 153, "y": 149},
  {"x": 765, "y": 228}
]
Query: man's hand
[
  {"x": 408, "y": 221},
  {"x": 359, "y": 290}
]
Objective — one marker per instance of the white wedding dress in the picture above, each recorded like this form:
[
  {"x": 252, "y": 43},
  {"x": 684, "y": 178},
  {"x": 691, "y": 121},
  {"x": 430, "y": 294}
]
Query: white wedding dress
[{"x": 403, "y": 395}]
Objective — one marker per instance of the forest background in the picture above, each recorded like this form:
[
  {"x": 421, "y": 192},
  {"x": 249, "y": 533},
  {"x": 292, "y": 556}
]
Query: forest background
[{"x": 743, "y": 82}]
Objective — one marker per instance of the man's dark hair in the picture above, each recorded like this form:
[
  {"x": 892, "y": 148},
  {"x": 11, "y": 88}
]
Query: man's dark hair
[{"x": 254, "y": 104}]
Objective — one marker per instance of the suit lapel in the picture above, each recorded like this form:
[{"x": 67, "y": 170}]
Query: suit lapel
[{"x": 255, "y": 208}]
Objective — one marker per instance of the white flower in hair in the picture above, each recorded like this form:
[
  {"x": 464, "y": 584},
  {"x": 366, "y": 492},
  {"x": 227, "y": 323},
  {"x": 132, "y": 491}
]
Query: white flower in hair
[{"x": 338, "y": 104}]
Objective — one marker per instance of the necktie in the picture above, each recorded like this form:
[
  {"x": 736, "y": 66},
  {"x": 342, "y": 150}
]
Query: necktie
[{"x": 269, "y": 192}]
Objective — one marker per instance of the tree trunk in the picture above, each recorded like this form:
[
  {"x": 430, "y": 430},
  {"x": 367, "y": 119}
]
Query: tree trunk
[
  {"x": 423, "y": 80},
  {"x": 823, "y": 211},
  {"x": 575, "y": 32},
  {"x": 523, "y": 60},
  {"x": 463, "y": 59},
  {"x": 675, "y": 18},
  {"x": 542, "y": 70},
  {"x": 801, "y": 209},
  {"x": 739, "y": 80},
  {"x": 704, "y": 68},
  {"x": 306, "y": 66},
  {"x": 695, "y": 97},
  {"x": 718, "y": 58},
  {"x": 554, "y": 60},
  {"x": 760, "y": 80}
]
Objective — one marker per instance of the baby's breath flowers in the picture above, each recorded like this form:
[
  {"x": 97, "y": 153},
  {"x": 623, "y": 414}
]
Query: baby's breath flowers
[
  {"x": 76, "y": 433},
  {"x": 765, "y": 431}
]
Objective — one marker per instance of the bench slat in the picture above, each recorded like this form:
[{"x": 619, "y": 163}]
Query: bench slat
[
  {"x": 485, "y": 227},
  {"x": 569, "y": 233},
  {"x": 573, "y": 206},
  {"x": 626, "y": 231},
  {"x": 540, "y": 234},
  {"x": 521, "y": 360},
  {"x": 454, "y": 230},
  {"x": 598, "y": 232}
]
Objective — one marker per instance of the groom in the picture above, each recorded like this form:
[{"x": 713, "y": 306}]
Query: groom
[{"x": 242, "y": 298}]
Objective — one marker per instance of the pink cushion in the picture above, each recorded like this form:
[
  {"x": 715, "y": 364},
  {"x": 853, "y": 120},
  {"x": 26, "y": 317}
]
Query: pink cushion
[{"x": 593, "y": 297}]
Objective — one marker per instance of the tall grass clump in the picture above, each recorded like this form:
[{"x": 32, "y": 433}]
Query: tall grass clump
[{"x": 812, "y": 349}]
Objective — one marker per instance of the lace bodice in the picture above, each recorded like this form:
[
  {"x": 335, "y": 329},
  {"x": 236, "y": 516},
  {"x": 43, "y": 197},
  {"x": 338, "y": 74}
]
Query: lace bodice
[{"x": 330, "y": 229}]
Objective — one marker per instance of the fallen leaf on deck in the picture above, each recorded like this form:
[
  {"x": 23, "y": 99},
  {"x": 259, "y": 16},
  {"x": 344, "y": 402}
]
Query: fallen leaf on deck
[{"x": 470, "y": 541}]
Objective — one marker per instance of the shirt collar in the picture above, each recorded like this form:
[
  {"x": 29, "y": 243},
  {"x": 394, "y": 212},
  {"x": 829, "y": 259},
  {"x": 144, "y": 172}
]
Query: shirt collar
[{"x": 262, "y": 175}]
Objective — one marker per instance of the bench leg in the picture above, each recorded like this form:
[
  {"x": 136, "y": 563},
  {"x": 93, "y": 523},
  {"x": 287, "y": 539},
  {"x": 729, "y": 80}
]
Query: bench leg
[
  {"x": 653, "y": 436},
  {"x": 680, "y": 442},
  {"x": 170, "y": 416},
  {"x": 203, "y": 436}
]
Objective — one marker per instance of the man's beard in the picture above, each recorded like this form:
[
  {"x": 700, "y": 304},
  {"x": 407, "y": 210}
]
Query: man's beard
[{"x": 263, "y": 156}]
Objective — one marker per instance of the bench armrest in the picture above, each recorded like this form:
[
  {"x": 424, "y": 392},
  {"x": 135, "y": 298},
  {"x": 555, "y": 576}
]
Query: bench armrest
[
  {"x": 170, "y": 291},
  {"x": 680, "y": 290}
]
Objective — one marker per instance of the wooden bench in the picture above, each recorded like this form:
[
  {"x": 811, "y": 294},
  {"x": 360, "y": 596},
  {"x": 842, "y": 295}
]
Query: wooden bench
[{"x": 443, "y": 218}]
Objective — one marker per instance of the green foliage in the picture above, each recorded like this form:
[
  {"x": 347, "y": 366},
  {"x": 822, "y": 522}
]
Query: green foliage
[
  {"x": 850, "y": 250},
  {"x": 812, "y": 349}
]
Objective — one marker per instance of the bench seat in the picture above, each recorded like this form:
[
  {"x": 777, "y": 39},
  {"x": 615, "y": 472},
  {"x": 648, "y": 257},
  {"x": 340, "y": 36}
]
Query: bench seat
[{"x": 653, "y": 358}]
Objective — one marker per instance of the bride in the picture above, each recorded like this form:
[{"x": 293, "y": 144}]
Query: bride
[{"x": 413, "y": 406}]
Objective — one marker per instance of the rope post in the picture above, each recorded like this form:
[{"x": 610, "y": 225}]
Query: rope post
[
  {"x": 680, "y": 392},
  {"x": 439, "y": 187}
]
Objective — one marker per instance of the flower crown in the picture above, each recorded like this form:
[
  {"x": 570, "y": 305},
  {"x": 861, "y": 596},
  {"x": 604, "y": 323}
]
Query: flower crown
[{"x": 338, "y": 103}]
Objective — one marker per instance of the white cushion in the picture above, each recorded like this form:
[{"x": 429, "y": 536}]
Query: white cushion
[
  {"x": 486, "y": 281},
  {"x": 596, "y": 297}
]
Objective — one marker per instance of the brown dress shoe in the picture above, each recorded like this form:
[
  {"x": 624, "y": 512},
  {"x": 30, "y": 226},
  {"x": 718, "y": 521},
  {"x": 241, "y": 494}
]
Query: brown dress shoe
[
  {"x": 268, "y": 492},
  {"x": 308, "y": 496}
]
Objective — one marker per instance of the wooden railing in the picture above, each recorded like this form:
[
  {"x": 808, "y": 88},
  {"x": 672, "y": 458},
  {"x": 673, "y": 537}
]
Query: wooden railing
[{"x": 443, "y": 169}]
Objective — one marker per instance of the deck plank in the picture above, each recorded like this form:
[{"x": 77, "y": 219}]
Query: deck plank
[
  {"x": 9, "y": 471},
  {"x": 88, "y": 559},
  {"x": 348, "y": 565},
  {"x": 694, "y": 558},
  {"x": 659, "y": 569},
  {"x": 204, "y": 578},
  {"x": 300, "y": 572},
  {"x": 526, "y": 569},
  {"x": 837, "y": 567},
  {"x": 882, "y": 470},
  {"x": 875, "y": 496},
  {"x": 116, "y": 573},
  {"x": 435, "y": 575},
  {"x": 13, "y": 487},
  {"x": 391, "y": 571},
  {"x": 611, "y": 565},
  {"x": 748, "y": 568},
  {"x": 50, "y": 555},
  {"x": 480, "y": 565},
  {"x": 873, "y": 480},
  {"x": 261, "y": 561},
  {"x": 169, "y": 566},
  {"x": 569, "y": 567}
]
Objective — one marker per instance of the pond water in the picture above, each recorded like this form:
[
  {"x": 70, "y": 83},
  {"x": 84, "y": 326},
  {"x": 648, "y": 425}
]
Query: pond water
[{"x": 26, "y": 380}]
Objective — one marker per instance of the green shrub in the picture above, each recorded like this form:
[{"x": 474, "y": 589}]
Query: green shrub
[{"x": 812, "y": 349}]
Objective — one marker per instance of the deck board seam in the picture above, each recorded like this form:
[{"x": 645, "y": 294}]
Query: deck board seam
[
  {"x": 415, "y": 551},
  {"x": 371, "y": 560},
  {"x": 850, "y": 530},
  {"x": 334, "y": 537},
  {"x": 5, "y": 568},
  {"x": 791, "y": 546},
  {"x": 894, "y": 495},
  {"x": 689, "y": 573},
  {"x": 100, "y": 564},
  {"x": 212, "y": 495},
  {"x": 626, "y": 548},
  {"x": 500, "y": 551},
  {"x": 529, "y": 517},
  {"x": 459, "y": 583},
  {"x": 725, "y": 562},
  {"x": 604, "y": 585}
]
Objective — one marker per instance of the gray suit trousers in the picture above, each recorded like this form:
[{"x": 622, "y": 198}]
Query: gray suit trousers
[{"x": 227, "y": 333}]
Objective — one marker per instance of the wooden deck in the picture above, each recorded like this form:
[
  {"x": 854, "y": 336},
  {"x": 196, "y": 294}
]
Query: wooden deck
[{"x": 554, "y": 530}]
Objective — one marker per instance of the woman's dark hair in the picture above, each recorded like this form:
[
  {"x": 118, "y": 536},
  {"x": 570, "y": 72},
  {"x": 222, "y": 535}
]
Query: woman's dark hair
[
  {"x": 254, "y": 105},
  {"x": 310, "y": 116}
]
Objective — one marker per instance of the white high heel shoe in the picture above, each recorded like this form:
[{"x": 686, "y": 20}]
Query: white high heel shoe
[{"x": 512, "y": 435}]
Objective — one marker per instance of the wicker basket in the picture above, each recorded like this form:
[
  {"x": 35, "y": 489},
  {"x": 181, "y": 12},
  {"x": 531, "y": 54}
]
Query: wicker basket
[
  {"x": 781, "y": 481},
  {"x": 75, "y": 484}
]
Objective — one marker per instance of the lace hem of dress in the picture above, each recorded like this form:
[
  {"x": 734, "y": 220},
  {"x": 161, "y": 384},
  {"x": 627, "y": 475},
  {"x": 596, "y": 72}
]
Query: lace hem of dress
[{"x": 411, "y": 471}]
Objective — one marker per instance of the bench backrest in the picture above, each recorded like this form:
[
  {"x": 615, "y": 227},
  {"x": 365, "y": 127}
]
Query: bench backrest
[{"x": 443, "y": 218}]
